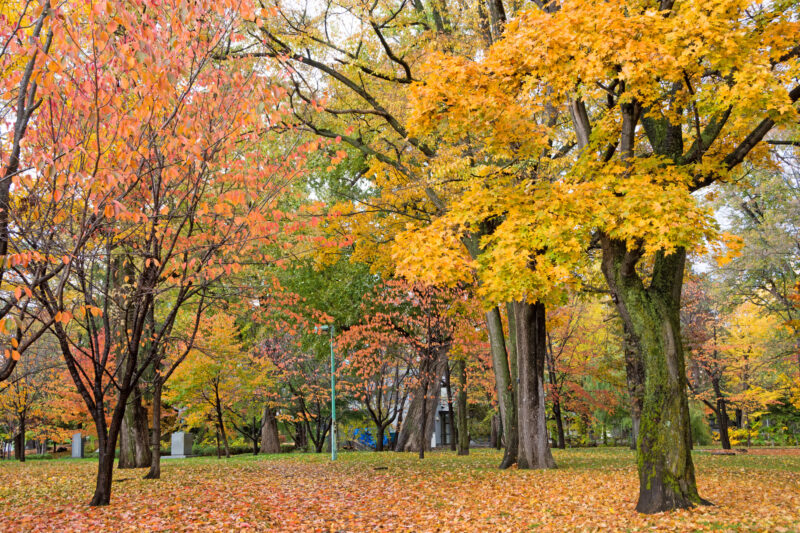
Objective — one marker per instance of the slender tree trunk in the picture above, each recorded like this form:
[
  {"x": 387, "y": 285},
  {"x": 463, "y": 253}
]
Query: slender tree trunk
[
  {"x": 221, "y": 427},
  {"x": 155, "y": 436},
  {"x": 634, "y": 374},
  {"x": 534, "y": 441},
  {"x": 19, "y": 439},
  {"x": 462, "y": 420},
  {"x": 270, "y": 443},
  {"x": 722, "y": 418},
  {"x": 666, "y": 471},
  {"x": 494, "y": 435},
  {"x": 506, "y": 397},
  {"x": 423, "y": 419},
  {"x": 216, "y": 435},
  {"x": 450, "y": 410},
  {"x": 551, "y": 374}
]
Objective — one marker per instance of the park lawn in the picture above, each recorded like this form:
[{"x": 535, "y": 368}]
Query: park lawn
[{"x": 593, "y": 489}]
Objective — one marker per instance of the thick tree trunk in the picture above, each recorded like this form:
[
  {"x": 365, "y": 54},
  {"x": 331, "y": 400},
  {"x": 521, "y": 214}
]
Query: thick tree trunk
[
  {"x": 506, "y": 397},
  {"x": 531, "y": 330},
  {"x": 666, "y": 471},
  {"x": 634, "y": 374},
  {"x": 380, "y": 432},
  {"x": 270, "y": 443},
  {"x": 155, "y": 437},
  {"x": 134, "y": 445},
  {"x": 462, "y": 420}
]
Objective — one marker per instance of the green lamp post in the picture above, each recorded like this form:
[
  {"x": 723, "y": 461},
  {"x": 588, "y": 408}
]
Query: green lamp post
[{"x": 333, "y": 394}]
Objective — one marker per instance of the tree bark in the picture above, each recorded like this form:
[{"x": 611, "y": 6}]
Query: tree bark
[
  {"x": 424, "y": 419},
  {"x": 408, "y": 437},
  {"x": 534, "y": 442},
  {"x": 221, "y": 426},
  {"x": 462, "y": 420},
  {"x": 634, "y": 374},
  {"x": 19, "y": 439},
  {"x": 450, "y": 410},
  {"x": 551, "y": 374},
  {"x": 506, "y": 399},
  {"x": 134, "y": 445},
  {"x": 722, "y": 420},
  {"x": 155, "y": 437},
  {"x": 270, "y": 443},
  {"x": 651, "y": 314}
]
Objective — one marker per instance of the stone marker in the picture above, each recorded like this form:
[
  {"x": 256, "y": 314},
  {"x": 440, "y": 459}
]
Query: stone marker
[
  {"x": 77, "y": 446},
  {"x": 181, "y": 445}
]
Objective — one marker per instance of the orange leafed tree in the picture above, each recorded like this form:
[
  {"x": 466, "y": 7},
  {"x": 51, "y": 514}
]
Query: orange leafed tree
[{"x": 149, "y": 168}]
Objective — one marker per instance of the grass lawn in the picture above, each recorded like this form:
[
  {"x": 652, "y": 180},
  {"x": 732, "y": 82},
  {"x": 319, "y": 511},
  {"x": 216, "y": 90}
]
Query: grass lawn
[{"x": 593, "y": 489}]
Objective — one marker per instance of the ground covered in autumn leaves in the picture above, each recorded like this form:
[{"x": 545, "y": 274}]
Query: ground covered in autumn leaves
[{"x": 593, "y": 489}]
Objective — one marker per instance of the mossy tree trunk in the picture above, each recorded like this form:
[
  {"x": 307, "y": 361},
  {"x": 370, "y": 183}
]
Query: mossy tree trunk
[
  {"x": 651, "y": 314},
  {"x": 531, "y": 332}
]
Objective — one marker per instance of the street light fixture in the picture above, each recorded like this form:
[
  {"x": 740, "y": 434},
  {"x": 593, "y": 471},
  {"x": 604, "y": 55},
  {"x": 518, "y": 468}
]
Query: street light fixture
[{"x": 333, "y": 392}]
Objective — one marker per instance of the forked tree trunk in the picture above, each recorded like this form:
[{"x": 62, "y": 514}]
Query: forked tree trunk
[
  {"x": 666, "y": 471},
  {"x": 506, "y": 396},
  {"x": 534, "y": 442},
  {"x": 408, "y": 438},
  {"x": 634, "y": 374},
  {"x": 270, "y": 443},
  {"x": 155, "y": 436},
  {"x": 462, "y": 420}
]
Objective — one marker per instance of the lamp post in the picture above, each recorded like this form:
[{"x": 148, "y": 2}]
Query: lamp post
[{"x": 333, "y": 394}]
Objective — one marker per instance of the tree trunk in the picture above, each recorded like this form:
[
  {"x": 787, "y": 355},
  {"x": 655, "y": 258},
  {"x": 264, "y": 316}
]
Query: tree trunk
[
  {"x": 155, "y": 437},
  {"x": 105, "y": 472},
  {"x": 531, "y": 331},
  {"x": 634, "y": 375},
  {"x": 494, "y": 434},
  {"x": 270, "y": 443},
  {"x": 134, "y": 445},
  {"x": 424, "y": 419},
  {"x": 408, "y": 437},
  {"x": 462, "y": 420},
  {"x": 551, "y": 374},
  {"x": 450, "y": 409},
  {"x": 379, "y": 434},
  {"x": 19, "y": 440},
  {"x": 666, "y": 471},
  {"x": 506, "y": 397},
  {"x": 722, "y": 419}
]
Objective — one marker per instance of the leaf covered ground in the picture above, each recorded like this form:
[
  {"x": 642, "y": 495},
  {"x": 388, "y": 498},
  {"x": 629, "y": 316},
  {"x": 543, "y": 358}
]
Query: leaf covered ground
[{"x": 593, "y": 489}]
